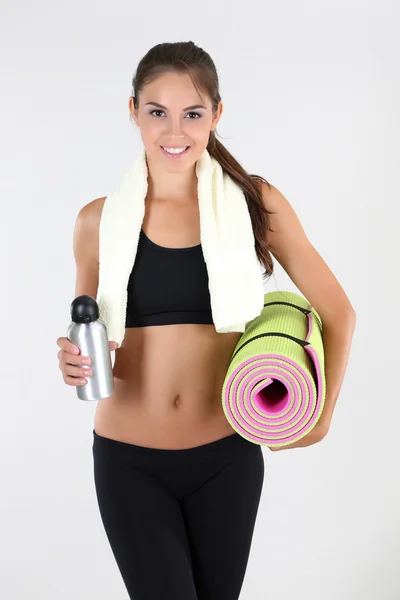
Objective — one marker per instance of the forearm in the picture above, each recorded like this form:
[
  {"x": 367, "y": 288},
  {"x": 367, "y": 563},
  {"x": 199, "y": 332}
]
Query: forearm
[
  {"x": 337, "y": 337},
  {"x": 313, "y": 437}
]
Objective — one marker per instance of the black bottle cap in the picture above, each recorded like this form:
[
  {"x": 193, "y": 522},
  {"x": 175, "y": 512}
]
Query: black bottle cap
[{"x": 84, "y": 309}]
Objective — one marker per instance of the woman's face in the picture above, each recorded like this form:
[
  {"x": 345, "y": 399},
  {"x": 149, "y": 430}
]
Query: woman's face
[{"x": 173, "y": 117}]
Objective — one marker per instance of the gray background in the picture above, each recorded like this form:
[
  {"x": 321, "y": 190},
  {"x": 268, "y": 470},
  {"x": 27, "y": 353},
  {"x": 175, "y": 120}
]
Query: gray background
[{"x": 310, "y": 92}]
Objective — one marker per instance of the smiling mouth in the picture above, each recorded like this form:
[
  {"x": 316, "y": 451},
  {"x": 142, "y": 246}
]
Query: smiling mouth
[{"x": 171, "y": 151}]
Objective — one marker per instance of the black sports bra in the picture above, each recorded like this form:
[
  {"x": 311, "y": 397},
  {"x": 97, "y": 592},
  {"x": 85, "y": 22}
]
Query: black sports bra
[{"x": 167, "y": 286}]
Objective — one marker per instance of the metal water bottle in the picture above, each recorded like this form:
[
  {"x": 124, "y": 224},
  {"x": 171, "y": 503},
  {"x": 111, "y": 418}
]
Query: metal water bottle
[{"x": 89, "y": 333}]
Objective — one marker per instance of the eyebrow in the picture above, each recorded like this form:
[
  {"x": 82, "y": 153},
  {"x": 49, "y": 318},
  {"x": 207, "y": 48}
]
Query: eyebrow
[{"x": 195, "y": 106}]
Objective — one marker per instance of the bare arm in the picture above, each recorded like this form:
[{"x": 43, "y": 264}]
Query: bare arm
[
  {"x": 312, "y": 276},
  {"x": 86, "y": 248}
]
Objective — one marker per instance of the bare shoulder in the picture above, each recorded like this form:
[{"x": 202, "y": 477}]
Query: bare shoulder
[
  {"x": 285, "y": 226},
  {"x": 274, "y": 201},
  {"x": 88, "y": 221},
  {"x": 89, "y": 216}
]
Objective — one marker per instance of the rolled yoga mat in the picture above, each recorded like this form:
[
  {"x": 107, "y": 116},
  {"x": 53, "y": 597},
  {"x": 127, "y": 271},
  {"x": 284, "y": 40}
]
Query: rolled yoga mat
[{"x": 274, "y": 389}]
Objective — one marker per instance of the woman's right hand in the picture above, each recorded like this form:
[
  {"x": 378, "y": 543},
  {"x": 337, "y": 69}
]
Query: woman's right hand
[{"x": 75, "y": 367}]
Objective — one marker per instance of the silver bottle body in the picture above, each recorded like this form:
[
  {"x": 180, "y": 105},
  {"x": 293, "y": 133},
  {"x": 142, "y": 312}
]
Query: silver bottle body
[{"x": 92, "y": 340}]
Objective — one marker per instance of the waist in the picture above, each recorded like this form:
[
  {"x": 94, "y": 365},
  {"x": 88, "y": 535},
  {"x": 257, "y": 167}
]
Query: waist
[
  {"x": 168, "y": 385},
  {"x": 162, "y": 419},
  {"x": 228, "y": 445}
]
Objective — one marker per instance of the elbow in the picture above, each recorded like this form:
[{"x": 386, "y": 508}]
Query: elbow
[
  {"x": 321, "y": 432},
  {"x": 352, "y": 317}
]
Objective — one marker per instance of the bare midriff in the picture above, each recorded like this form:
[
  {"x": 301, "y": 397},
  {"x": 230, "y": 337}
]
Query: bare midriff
[{"x": 168, "y": 386}]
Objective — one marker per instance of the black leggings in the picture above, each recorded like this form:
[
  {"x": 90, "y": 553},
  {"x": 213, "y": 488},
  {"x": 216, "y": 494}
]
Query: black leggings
[{"x": 179, "y": 522}]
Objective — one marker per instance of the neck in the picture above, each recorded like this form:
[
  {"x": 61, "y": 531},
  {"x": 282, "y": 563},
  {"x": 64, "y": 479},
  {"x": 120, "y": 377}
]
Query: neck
[{"x": 177, "y": 185}]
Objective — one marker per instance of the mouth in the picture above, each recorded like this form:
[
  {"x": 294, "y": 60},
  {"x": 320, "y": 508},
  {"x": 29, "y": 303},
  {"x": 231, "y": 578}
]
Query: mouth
[{"x": 175, "y": 152}]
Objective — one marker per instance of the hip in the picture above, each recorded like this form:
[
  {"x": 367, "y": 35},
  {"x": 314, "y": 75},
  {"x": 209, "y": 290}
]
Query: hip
[{"x": 230, "y": 459}]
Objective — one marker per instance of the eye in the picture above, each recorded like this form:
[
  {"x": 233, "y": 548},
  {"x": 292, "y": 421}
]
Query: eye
[
  {"x": 156, "y": 111},
  {"x": 194, "y": 115}
]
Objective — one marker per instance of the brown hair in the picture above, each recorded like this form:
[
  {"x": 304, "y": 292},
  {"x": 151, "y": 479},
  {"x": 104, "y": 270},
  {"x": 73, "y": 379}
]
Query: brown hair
[{"x": 186, "y": 57}]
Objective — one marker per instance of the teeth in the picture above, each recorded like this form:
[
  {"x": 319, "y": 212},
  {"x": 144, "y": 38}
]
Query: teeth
[{"x": 174, "y": 150}]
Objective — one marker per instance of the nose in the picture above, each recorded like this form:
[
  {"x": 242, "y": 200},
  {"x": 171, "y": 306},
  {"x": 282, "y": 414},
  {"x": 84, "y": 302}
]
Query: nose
[{"x": 175, "y": 129}]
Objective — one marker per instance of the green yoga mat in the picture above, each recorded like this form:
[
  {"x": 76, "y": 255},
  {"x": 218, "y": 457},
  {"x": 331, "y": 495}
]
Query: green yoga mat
[{"x": 274, "y": 389}]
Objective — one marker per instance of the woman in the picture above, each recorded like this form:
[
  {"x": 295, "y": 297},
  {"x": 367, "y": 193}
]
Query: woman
[{"x": 178, "y": 488}]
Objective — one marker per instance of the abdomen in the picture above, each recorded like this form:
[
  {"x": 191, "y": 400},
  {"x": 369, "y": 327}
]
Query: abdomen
[{"x": 168, "y": 383}]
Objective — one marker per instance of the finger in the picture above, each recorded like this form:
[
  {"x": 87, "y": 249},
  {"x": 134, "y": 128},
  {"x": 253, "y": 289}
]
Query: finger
[
  {"x": 113, "y": 346},
  {"x": 77, "y": 372},
  {"x": 73, "y": 381},
  {"x": 69, "y": 359},
  {"x": 67, "y": 346}
]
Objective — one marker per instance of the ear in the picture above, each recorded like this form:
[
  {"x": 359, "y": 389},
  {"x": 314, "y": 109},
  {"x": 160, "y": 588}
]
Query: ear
[
  {"x": 217, "y": 116},
  {"x": 133, "y": 110}
]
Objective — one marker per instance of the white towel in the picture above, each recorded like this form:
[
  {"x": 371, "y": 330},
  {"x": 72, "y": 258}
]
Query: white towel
[{"x": 227, "y": 238}]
